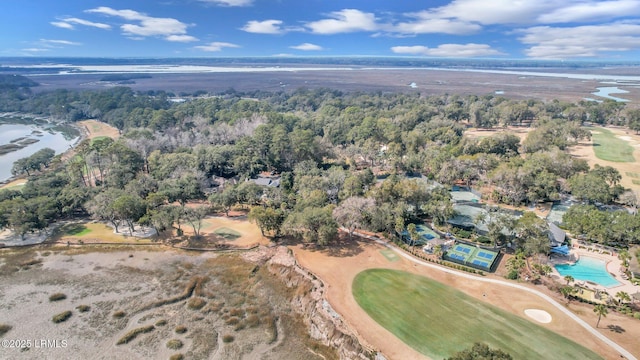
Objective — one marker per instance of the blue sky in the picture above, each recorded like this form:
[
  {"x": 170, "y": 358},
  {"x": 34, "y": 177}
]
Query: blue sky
[{"x": 510, "y": 29}]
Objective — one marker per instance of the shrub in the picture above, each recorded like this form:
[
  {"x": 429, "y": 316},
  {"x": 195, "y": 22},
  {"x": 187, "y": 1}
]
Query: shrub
[
  {"x": 62, "y": 317},
  {"x": 83, "y": 308},
  {"x": 636, "y": 315},
  {"x": 233, "y": 321},
  {"x": 181, "y": 329},
  {"x": 128, "y": 337},
  {"x": 174, "y": 344},
  {"x": 161, "y": 322},
  {"x": 512, "y": 275},
  {"x": 119, "y": 314},
  {"x": 4, "y": 328},
  {"x": 253, "y": 320},
  {"x": 57, "y": 297},
  {"x": 196, "y": 303},
  {"x": 227, "y": 338},
  {"x": 176, "y": 357}
]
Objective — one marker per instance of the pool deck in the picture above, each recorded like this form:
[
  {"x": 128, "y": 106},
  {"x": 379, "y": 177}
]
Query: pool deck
[{"x": 613, "y": 265}]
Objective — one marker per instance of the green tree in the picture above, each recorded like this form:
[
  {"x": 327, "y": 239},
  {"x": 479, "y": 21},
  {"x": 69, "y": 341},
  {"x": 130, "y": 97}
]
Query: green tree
[
  {"x": 268, "y": 219},
  {"x": 568, "y": 279},
  {"x": 413, "y": 233}
]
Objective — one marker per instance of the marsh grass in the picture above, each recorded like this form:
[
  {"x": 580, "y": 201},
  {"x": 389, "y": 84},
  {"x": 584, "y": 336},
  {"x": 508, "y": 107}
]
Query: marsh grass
[
  {"x": 196, "y": 303},
  {"x": 176, "y": 357},
  {"x": 174, "y": 344},
  {"x": 131, "y": 335},
  {"x": 5, "y": 328},
  {"x": 57, "y": 297},
  {"x": 119, "y": 314},
  {"x": 62, "y": 317},
  {"x": 181, "y": 329},
  {"x": 83, "y": 308},
  {"x": 228, "y": 338}
]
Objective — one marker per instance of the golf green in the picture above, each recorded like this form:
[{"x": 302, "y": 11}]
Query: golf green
[{"x": 438, "y": 320}]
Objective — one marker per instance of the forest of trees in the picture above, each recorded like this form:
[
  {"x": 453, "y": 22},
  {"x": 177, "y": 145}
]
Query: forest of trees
[{"x": 324, "y": 144}]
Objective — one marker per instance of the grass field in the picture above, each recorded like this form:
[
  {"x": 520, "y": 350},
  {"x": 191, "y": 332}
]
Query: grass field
[
  {"x": 438, "y": 320},
  {"x": 608, "y": 147}
]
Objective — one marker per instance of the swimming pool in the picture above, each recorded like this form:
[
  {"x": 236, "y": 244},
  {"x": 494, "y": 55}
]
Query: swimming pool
[{"x": 589, "y": 269}]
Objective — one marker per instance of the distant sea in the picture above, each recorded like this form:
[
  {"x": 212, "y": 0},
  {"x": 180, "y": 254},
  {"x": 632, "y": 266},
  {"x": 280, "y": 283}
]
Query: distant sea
[{"x": 602, "y": 71}]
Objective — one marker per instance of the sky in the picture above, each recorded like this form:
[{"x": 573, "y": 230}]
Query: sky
[{"x": 509, "y": 29}]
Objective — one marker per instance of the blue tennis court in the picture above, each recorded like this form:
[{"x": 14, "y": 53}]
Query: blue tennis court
[{"x": 474, "y": 256}]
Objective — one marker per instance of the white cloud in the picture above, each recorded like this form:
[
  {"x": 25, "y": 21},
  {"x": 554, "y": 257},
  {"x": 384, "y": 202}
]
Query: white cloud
[
  {"x": 229, "y": 2},
  {"x": 264, "y": 27},
  {"x": 62, "y": 24},
  {"x": 493, "y": 12},
  {"x": 32, "y": 50},
  {"x": 592, "y": 10},
  {"x": 87, "y": 23},
  {"x": 344, "y": 21},
  {"x": 581, "y": 41},
  {"x": 307, "y": 47},
  {"x": 181, "y": 38},
  {"x": 168, "y": 28},
  {"x": 448, "y": 50},
  {"x": 59, "y": 42},
  {"x": 216, "y": 46},
  {"x": 434, "y": 26}
]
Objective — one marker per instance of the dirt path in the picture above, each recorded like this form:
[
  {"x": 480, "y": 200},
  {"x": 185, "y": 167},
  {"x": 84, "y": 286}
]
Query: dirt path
[{"x": 337, "y": 266}]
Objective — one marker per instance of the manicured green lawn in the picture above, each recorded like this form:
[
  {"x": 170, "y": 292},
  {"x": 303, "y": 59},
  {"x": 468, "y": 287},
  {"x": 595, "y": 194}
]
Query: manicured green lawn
[
  {"x": 438, "y": 320},
  {"x": 608, "y": 147}
]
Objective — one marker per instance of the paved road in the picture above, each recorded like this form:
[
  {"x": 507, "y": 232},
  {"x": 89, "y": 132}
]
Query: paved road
[{"x": 573, "y": 316}]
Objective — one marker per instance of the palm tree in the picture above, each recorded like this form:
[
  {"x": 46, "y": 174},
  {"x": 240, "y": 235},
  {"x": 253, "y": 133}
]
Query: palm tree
[
  {"x": 601, "y": 310},
  {"x": 623, "y": 297},
  {"x": 567, "y": 291},
  {"x": 568, "y": 279},
  {"x": 437, "y": 251}
]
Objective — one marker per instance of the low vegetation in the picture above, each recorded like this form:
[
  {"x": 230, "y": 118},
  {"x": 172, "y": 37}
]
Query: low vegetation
[
  {"x": 607, "y": 146},
  {"x": 131, "y": 335},
  {"x": 176, "y": 357},
  {"x": 196, "y": 303},
  {"x": 228, "y": 338},
  {"x": 174, "y": 344},
  {"x": 83, "y": 308},
  {"x": 181, "y": 329},
  {"x": 119, "y": 314},
  {"x": 5, "y": 328},
  {"x": 62, "y": 317},
  {"x": 57, "y": 297}
]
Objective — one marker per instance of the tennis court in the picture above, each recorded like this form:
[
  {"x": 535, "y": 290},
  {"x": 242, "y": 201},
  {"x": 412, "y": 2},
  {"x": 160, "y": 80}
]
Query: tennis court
[
  {"x": 425, "y": 233},
  {"x": 472, "y": 256}
]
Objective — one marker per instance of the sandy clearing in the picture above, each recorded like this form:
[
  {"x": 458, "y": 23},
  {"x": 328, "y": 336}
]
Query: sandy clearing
[
  {"x": 338, "y": 266},
  {"x": 538, "y": 315},
  {"x": 95, "y": 128}
]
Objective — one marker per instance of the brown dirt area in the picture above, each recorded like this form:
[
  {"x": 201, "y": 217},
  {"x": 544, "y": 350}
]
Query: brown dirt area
[
  {"x": 250, "y": 235},
  {"x": 337, "y": 266},
  {"x": 584, "y": 150}
]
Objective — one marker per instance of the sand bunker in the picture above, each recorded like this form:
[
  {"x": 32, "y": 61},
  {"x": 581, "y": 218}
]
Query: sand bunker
[{"x": 540, "y": 316}]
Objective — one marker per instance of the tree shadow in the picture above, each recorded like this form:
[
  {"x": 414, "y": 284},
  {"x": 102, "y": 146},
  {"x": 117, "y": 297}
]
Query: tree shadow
[
  {"x": 616, "y": 329},
  {"x": 343, "y": 246}
]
